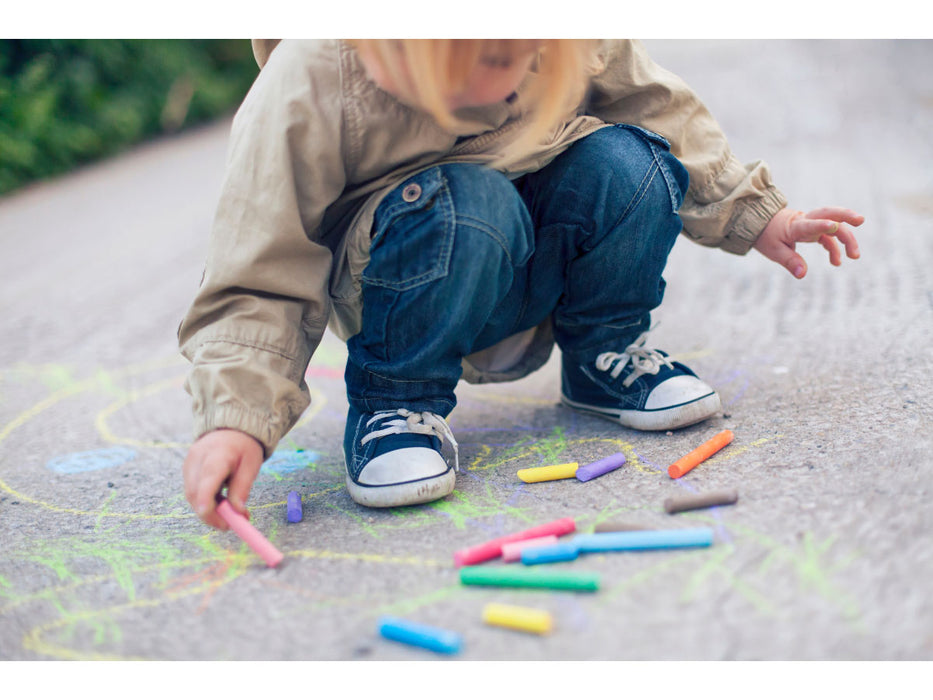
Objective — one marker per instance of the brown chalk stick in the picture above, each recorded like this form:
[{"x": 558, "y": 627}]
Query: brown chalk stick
[{"x": 702, "y": 500}]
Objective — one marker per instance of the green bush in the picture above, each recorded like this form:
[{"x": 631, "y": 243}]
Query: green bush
[{"x": 64, "y": 102}]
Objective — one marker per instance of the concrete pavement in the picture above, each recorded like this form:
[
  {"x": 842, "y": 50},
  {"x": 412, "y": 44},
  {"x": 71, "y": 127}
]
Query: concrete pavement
[{"x": 826, "y": 383}]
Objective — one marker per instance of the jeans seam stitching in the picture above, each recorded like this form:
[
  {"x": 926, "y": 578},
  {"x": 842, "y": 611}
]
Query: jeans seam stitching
[
  {"x": 666, "y": 175},
  {"x": 491, "y": 231}
]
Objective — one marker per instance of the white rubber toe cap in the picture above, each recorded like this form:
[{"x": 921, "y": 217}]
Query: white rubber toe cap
[
  {"x": 677, "y": 391},
  {"x": 403, "y": 477},
  {"x": 402, "y": 466}
]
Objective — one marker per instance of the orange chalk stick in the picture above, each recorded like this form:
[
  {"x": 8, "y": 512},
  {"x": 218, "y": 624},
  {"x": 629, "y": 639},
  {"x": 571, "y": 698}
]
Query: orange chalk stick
[{"x": 700, "y": 454}]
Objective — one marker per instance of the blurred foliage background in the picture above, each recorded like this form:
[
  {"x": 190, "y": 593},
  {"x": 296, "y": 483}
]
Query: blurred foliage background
[{"x": 65, "y": 102}]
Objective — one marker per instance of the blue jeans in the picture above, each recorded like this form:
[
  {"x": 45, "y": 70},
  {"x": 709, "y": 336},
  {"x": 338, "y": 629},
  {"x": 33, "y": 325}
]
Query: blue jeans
[{"x": 462, "y": 258}]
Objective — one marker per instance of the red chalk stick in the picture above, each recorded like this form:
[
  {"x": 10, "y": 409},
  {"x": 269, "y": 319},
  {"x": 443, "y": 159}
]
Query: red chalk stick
[
  {"x": 493, "y": 548},
  {"x": 249, "y": 534}
]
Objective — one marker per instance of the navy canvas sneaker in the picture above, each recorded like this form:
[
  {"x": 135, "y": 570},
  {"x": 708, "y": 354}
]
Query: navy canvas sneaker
[
  {"x": 394, "y": 458},
  {"x": 640, "y": 388}
]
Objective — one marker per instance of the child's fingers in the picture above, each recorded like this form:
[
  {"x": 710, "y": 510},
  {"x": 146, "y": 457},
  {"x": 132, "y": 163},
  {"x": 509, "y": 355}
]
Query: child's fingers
[
  {"x": 843, "y": 218},
  {"x": 195, "y": 489},
  {"x": 847, "y": 237},
  {"x": 810, "y": 230},
  {"x": 214, "y": 520},
  {"x": 835, "y": 256},
  {"x": 241, "y": 481},
  {"x": 840, "y": 214},
  {"x": 213, "y": 473}
]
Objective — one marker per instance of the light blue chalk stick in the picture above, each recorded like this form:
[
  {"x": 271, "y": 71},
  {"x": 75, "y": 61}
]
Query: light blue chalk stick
[
  {"x": 433, "y": 638},
  {"x": 644, "y": 539},
  {"x": 562, "y": 551}
]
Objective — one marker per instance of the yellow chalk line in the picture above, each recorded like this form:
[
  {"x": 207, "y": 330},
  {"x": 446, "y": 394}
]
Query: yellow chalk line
[
  {"x": 143, "y": 516},
  {"x": 318, "y": 401},
  {"x": 103, "y": 428},
  {"x": 54, "y": 398},
  {"x": 732, "y": 451},
  {"x": 32, "y": 640},
  {"x": 46, "y": 403},
  {"x": 312, "y": 410},
  {"x": 107, "y": 434},
  {"x": 374, "y": 558}
]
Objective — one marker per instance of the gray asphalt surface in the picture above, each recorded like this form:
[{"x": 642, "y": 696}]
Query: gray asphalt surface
[{"x": 828, "y": 554}]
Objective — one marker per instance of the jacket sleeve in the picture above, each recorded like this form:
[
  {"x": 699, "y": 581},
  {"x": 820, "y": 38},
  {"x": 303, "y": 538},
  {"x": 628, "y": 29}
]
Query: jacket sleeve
[
  {"x": 263, "y": 304},
  {"x": 727, "y": 204}
]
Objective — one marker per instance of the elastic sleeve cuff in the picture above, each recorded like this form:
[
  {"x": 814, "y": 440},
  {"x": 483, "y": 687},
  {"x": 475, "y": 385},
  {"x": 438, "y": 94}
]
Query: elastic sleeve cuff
[
  {"x": 258, "y": 425},
  {"x": 750, "y": 219}
]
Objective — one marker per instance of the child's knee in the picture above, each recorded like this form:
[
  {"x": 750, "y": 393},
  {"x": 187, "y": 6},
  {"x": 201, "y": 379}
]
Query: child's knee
[
  {"x": 630, "y": 165},
  {"x": 489, "y": 213},
  {"x": 645, "y": 154}
]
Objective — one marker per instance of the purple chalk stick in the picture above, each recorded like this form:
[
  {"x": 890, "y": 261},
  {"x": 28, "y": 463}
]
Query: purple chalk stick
[
  {"x": 293, "y": 507},
  {"x": 603, "y": 466}
]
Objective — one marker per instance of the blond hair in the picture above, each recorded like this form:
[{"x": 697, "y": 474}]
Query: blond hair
[{"x": 426, "y": 69}]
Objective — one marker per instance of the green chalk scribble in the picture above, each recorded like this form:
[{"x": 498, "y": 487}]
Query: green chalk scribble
[{"x": 460, "y": 508}]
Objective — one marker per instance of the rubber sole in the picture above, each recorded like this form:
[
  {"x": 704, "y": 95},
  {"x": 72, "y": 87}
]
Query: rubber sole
[
  {"x": 669, "y": 418},
  {"x": 411, "y": 493}
]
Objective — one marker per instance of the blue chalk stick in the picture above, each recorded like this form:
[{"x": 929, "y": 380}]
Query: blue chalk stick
[
  {"x": 433, "y": 638},
  {"x": 645, "y": 539},
  {"x": 293, "y": 507},
  {"x": 562, "y": 551}
]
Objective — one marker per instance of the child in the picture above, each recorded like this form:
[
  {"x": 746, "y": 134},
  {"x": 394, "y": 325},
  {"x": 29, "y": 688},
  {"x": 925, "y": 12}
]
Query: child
[{"x": 452, "y": 209}]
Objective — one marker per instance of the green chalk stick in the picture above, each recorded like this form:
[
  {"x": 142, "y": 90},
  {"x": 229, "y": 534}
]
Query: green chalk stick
[{"x": 509, "y": 576}]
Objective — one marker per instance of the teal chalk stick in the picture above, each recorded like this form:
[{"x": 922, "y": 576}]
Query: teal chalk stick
[
  {"x": 644, "y": 539},
  {"x": 515, "y": 577}
]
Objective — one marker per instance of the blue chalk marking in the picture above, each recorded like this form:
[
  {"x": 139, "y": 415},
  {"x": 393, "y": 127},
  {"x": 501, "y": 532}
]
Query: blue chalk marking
[
  {"x": 433, "y": 638},
  {"x": 645, "y": 539},
  {"x": 283, "y": 462},
  {"x": 91, "y": 460},
  {"x": 562, "y": 551},
  {"x": 293, "y": 507}
]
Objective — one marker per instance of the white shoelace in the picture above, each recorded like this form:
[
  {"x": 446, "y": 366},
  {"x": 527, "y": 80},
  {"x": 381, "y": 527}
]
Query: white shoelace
[
  {"x": 424, "y": 423},
  {"x": 644, "y": 361}
]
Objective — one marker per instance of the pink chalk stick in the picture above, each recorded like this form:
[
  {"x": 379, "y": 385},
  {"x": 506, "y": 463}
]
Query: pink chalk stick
[
  {"x": 493, "y": 548},
  {"x": 249, "y": 534},
  {"x": 512, "y": 551}
]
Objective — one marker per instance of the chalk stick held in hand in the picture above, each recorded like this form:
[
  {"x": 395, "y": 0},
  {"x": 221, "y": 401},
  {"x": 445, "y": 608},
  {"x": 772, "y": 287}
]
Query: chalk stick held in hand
[{"x": 249, "y": 534}]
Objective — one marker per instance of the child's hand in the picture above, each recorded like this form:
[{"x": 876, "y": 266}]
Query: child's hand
[
  {"x": 789, "y": 227},
  {"x": 218, "y": 457}
]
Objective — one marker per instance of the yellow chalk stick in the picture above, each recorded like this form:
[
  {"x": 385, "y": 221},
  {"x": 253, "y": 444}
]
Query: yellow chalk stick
[
  {"x": 552, "y": 473},
  {"x": 518, "y": 618}
]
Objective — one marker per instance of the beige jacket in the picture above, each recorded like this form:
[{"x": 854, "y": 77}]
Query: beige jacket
[{"x": 316, "y": 145}]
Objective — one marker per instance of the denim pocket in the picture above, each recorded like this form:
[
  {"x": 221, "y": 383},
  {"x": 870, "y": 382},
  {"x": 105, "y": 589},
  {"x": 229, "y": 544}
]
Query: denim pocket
[
  {"x": 672, "y": 170},
  {"x": 413, "y": 234}
]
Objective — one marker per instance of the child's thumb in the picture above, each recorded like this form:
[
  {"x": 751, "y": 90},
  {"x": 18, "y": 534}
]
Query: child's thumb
[{"x": 795, "y": 264}]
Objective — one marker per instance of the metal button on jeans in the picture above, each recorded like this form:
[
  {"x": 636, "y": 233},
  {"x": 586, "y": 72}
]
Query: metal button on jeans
[{"x": 411, "y": 192}]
